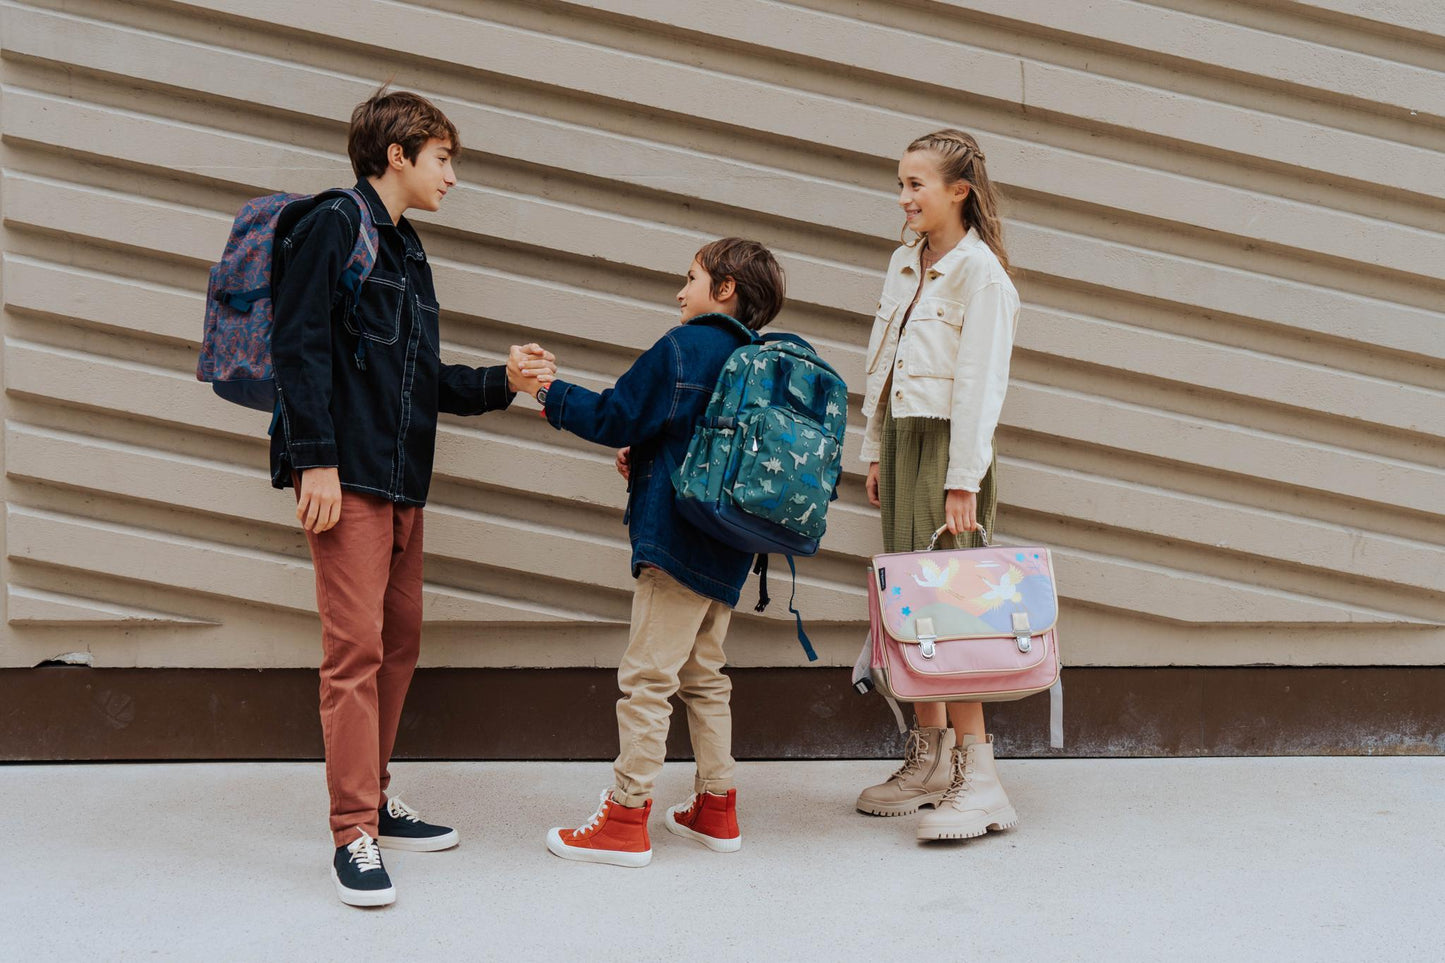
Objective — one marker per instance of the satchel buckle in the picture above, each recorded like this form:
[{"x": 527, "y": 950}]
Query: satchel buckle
[
  {"x": 1021, "y": 631},
  {"x": 926, "y": 637}
]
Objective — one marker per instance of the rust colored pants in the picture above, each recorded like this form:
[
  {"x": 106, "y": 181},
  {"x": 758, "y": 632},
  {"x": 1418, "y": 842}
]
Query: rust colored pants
[{"x": 368, "y": 592}]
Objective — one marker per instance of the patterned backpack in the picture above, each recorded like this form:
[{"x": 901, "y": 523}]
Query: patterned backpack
[
  {"x": 236, "y": 346},
  {"x": 765, "y": 457}
]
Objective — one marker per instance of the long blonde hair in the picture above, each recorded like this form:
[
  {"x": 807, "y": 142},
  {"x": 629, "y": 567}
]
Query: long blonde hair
[{"x": 961, "y": 159}]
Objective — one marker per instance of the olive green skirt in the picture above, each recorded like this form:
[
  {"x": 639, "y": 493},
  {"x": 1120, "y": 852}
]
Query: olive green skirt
[{"x": 911, "y": 470}]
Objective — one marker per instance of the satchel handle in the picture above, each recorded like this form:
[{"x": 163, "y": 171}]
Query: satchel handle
[{"x": 943, "y": 528}]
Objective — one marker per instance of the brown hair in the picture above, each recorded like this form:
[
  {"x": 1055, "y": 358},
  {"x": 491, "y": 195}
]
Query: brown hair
[
  {"x": 755, "y": 272},
  {"x": 401, "y": 118},
  {"x": 960, "y": 159}
]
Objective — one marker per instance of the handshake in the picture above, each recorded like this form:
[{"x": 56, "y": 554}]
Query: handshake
[{"x": 530, "y": 367}]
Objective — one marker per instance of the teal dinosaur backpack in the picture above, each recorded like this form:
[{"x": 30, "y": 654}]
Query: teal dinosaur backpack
[{"x": 765, "y": 457}]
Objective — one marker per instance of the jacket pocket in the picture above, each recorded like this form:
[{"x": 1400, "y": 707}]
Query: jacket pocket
[
  {"x": 376, "y": 313},
  {"x": 879, "y": 336},
  {"x": 932, "y": 337},
  {"x": 428, "y": 315}
]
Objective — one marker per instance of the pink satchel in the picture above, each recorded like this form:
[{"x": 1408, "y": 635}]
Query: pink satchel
[{"x": 966, "y": 625}]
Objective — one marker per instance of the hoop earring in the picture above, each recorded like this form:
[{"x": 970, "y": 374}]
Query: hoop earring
[{"x": 903, "y": 236}]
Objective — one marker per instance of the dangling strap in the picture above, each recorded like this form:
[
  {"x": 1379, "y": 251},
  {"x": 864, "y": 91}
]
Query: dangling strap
[
  {"x": 802, "y": 636},
  {"x": 242, "y": 300},
  {"x": 897, "y": 713},
  {"x": 760, "y": 569},
  {"x": 863, "y": 679},
  {"x": 360, "y": 356},
  {"x": 1056, "y": 713}
]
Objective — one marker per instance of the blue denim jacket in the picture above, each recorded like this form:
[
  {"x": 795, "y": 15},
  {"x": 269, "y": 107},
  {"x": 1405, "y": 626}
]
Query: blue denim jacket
[{"x": 654, "y": 407}]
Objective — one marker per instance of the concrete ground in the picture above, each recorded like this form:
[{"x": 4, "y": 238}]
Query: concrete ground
[{"x": 1213, "y": 859}]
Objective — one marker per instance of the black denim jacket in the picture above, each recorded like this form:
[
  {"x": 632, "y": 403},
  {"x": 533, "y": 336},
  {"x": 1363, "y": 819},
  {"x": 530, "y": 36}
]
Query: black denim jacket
[{"x": 360, "y": 380}]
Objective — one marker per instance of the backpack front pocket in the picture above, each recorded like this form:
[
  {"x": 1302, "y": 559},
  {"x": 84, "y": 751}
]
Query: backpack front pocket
[{"x": 785, "y": 471}]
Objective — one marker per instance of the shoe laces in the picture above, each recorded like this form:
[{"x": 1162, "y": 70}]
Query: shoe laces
[
  {"x": 962, "y": 774},
  {"x": 365, "y": 854},
  {"x": 912, "y": 755},
  {"x": 595, "y": 819},
  {"x": 400, "y": 810},
  {"x": 689, "y": 807}
]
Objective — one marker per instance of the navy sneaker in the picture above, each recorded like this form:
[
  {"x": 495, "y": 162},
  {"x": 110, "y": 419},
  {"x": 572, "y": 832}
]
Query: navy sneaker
[
  {"x": 399, "y": 827},
  {"x": 360, "y": 878}
]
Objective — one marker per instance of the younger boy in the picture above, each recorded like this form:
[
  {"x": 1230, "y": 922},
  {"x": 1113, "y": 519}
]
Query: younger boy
[
  {"x": 359, "y": 383},
  {"x": 687, "y": 582}
]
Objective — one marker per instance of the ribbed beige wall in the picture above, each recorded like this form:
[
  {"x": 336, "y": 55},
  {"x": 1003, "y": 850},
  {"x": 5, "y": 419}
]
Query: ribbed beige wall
[{"x": 1229, "y": 389}]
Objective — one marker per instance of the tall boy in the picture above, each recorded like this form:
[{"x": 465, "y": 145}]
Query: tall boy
[
  {"x": 360, "y": 383},
  {"x": 687, "y": 582}
]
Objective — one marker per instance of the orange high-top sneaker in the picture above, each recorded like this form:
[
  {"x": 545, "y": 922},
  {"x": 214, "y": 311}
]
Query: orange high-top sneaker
[
  {"x": 709, "y": 818},
  {"x": 615, "y": 834}
]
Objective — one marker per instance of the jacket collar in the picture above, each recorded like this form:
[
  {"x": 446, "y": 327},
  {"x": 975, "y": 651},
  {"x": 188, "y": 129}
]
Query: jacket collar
[
  {"x": 950, "y": 260},
  {"x": 381, "y": 218},
  {"x": 726, "y": 322}
]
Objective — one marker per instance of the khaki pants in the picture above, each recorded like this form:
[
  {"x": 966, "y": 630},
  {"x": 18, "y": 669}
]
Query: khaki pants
[
  {"x": 675, "y": 646},
  {"x": 368, "y": 592}
]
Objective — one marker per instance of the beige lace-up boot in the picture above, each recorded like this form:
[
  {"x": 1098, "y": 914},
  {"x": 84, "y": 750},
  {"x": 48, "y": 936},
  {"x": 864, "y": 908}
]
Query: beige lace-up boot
[
  {"x": 975, "y": 801},
  {"x": 922, "y": 780}
]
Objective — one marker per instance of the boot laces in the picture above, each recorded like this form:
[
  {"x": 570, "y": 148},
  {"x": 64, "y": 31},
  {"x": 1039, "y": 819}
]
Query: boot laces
[
  {"x": 400, "y": 810},
  {"x": 365, "y": 854},
  {"x": 595, "y": 819},
  {"x": 958, "y": 784},
  {"x": 912, "y": 755}
]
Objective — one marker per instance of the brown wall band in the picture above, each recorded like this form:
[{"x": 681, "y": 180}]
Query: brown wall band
[{"x": 75, "y": 713}]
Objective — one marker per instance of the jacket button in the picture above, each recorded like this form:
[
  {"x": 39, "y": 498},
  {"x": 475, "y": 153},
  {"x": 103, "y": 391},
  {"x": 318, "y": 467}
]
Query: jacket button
[
  {"x": 898, "y": 394},
  {"x": 900, "y": 366}
]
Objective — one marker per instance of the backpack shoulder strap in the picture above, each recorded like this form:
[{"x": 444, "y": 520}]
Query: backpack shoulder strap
[{"x": 363, "y": 252}]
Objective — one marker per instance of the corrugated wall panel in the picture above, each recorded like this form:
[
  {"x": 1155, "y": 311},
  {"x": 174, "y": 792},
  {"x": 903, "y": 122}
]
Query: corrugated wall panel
[{"x": 1229, "y": 220}]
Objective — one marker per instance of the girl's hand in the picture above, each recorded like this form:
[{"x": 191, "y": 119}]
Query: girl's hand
[
  {"x": 870, "y": 485},
  {"x": 624, "y": 467},
  {"x": 960, "y": 511}
]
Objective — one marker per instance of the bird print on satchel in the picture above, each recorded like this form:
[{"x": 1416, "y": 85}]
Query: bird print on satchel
[
  {"x": 935, "y": 576},
  {"x": 1005, "y": 591}
]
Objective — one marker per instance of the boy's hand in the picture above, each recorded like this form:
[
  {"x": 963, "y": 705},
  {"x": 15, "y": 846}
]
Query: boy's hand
[
  {"x": 624, "y": 462},
  {"x": 870, "y": 485},
  {"x": 319, "y": 506},
  {"x": 529, "y": 367}
]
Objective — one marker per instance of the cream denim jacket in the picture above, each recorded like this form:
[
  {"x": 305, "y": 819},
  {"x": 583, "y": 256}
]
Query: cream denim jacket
[{"x": 953, "y": 358}]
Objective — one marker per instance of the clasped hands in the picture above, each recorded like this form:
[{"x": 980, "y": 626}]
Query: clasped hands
[
  {"x": 530, "y": 367},
  {"x": 318, "y": 505}
]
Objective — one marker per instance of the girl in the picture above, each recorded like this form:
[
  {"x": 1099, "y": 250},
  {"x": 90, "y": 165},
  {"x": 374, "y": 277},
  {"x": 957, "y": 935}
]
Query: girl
[{"x": 938, "y": 363}]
